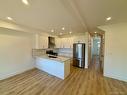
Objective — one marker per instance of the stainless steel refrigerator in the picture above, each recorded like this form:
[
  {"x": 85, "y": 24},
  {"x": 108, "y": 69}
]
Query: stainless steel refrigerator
[{"x": 79, "y": 55}]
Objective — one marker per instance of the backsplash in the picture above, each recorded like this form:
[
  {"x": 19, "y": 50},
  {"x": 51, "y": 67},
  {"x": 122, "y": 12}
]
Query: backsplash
[
  {"x": 68, "y": 52},
  {"x": 61, "y": 51},
  {"x": 38, "y": 52}
]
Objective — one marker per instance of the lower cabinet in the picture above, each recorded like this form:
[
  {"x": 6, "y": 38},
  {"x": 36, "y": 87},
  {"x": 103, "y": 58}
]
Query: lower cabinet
[{"x": 56, "y": 68}]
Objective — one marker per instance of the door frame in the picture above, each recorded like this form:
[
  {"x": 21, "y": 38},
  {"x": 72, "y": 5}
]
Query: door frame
[{"x": 102, "y": 48}]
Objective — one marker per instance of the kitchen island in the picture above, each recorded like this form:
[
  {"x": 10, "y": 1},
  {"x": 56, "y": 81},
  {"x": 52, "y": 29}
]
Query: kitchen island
[{"x": 59, "y": 66}]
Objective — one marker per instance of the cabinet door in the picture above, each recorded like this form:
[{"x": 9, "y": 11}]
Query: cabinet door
[
  {"x": 81, "y": 39},
  {"x": 43, "y": 43},
  {"x": 65, "y": 43},
  {"x": 62, "y": 43},
  {"x": 46, "y": 42},
  {"x": 58, "y": 42},
  {"x": 70, "y": 42}
]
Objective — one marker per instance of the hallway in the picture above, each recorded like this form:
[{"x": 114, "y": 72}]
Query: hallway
[{"x": 95, "y": 65}]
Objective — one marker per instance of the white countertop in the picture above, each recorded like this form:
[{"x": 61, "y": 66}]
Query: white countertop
[{"x": 59, "y": 58}]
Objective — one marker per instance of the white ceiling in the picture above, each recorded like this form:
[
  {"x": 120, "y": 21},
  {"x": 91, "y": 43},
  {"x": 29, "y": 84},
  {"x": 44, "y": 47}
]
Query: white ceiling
[
  {"x": 75, "y": 15},
  {"x": 95, "y": 12}
]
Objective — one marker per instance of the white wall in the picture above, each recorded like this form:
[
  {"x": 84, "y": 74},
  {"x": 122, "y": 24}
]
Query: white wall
[
  {"x": 115, "y": 61},
  {"x": 15, "y": 52}
]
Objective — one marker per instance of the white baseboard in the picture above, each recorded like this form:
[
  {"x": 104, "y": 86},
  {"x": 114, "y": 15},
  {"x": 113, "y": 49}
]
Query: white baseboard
[
  {"x": 116, "y": 77},
  {"x": 11, "y": 74}
]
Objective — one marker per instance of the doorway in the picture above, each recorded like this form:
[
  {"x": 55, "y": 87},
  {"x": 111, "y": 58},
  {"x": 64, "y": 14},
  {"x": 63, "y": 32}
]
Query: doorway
[{"x": 96, "y": 52}]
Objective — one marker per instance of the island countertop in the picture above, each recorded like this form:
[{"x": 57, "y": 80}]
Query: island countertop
[{"x": 58, "y": 58}]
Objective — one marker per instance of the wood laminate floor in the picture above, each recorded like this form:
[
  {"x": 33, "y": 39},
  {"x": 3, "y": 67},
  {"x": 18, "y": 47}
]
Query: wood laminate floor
[{"x": 79, "y": 82}]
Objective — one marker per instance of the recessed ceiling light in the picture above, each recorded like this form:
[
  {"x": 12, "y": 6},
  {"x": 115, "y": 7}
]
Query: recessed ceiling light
[
  {"x": 52, "y": 30},
  {"x": 108, "y": 18},
  {"x": 25, "y": 2},
  {"x": 63, "y": 28},
  {"x": 95, "y": 32},
  {"x": 9, "y": 18}
]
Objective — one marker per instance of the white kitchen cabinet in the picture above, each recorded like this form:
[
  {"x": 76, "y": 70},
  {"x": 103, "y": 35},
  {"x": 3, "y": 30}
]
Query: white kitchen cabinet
[
  {"x": 70, "y": 42},
  {"x": 80, "y": 39},
  {"x": 67, "y": 43},
  {"x": 58, "y": 42},
  {"x": 59, "y": 67},
  {"x": 36, "y": 40},
  {"x": 64, "y": 42},
  {"x": 43, "y": 42}
]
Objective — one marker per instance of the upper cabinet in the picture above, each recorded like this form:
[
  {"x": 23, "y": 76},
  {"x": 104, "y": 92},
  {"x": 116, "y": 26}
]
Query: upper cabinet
[
  {"x": 58, "y": 42},
  {"x": 43, "y": 42},
  {"x": 40, "y": 42},
  {"x": 80, "y": 39},
  {"x": 64, "y": 42},
  {"x": 71, "y": 41}
]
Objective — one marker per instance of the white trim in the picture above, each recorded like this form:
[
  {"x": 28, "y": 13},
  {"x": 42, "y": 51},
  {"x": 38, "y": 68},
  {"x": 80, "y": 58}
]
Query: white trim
[{"x": 2, "y": 77}]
